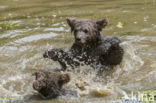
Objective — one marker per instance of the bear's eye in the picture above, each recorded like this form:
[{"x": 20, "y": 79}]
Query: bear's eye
[{"x": 86, "y": 31}]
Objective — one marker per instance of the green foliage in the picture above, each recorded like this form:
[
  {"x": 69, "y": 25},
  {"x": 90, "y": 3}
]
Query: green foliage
[
  {"x": 120, "y": 25},
  {"x": 7, "y": 26}
]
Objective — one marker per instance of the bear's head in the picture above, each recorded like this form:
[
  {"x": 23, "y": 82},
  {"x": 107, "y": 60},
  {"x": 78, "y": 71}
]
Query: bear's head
[
  {"x": 40, "y": 81},
  {"x": 86, "y": 31},
  {"x": 45, "y": 78}
]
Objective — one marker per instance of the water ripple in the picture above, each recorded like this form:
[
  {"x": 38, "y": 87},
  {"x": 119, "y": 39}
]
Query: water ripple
[{"x": 35, "y": 37}]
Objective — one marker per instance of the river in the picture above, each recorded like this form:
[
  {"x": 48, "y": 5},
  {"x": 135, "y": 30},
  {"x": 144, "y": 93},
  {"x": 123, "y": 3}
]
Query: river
[{"x": 29, "y": 27}]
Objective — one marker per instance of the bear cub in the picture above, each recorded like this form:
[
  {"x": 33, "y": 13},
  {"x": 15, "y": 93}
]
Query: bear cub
[{"x": 49, "y": 84}]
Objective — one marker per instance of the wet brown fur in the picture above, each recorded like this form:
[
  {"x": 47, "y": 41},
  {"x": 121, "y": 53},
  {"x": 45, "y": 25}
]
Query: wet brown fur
[
  {"x": 90, "y": 46},
  {"x": 49, "y": 84}
]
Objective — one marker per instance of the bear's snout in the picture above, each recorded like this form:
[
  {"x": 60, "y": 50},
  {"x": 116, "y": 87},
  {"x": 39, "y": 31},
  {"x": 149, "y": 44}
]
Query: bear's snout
[
  {"x": 36, "y": 85},
  {"x": 45, "y": 54},
  {"x": 78, "y": 39}
]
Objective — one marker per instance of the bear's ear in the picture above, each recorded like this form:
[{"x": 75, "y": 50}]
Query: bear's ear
[
  {"x": 40, "y": 75},
  {"x": 36, "y": 75},
  {"x": 71, "y": 22},
  {"x": 36, "y": 86},
  {"x": 64, "y": 78},
  {"x": 101, "y": 24}
]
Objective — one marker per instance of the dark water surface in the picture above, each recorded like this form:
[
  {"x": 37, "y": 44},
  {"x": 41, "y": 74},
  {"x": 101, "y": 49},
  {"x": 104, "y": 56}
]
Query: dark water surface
[{"x": 29, "y": 27}]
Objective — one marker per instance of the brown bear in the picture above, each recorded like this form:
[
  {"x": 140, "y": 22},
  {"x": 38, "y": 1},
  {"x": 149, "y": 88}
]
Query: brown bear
[
  {"x": 49, "y": 84},
  {"x": 90, "y": 47}
]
